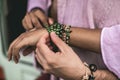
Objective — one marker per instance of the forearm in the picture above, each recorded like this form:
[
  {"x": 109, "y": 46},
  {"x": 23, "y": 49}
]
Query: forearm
[
  {"x": 104, "y": 75},
  {"x": 86, "y": 38},
  {"x": 98, "y": 74}
]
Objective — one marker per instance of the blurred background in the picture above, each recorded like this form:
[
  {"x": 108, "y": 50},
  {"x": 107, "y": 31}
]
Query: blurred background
[{"x": 11, "y": 15}]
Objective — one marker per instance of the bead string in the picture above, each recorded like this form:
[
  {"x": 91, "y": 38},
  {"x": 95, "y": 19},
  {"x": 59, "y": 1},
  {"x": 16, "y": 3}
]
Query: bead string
[
  {"x": 62, "y": 31},
  {"x": 92, "y": 68}
]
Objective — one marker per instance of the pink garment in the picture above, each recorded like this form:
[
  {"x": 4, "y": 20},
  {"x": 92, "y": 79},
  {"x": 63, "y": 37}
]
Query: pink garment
[
  {"x": 110, "y": 45},
  {"x": 88, "y": 14},
  {"x": 43, "y": 4}
]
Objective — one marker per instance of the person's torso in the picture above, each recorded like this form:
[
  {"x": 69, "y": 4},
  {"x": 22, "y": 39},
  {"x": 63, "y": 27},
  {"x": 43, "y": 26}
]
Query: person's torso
[{"x": 88, "y": 14}]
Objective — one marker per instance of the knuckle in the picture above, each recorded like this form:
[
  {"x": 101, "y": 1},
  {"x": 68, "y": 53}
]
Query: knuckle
[
  {"x": 37, "y": 11},
  {"x": 50, "y": 61},
  {"x": 15, "y": 48},
  {"x": 47, "y": 69},
  {"x": 22, "y": 34},
  {"x": 38, "y": 44},
  {"x": 35, "y": 22},
  {"x": 23, "y": 21},
  {"x": 44, "y": 19},
  {"x": 24, "y": 41}
]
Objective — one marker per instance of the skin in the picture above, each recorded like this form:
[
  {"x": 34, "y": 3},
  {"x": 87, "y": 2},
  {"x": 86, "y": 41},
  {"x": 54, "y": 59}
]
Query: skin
[
  {"x": 32, "y": 23},
  {"x": 55, "y": 63},
  {"x": 64, "y": 63},
  {"x": 35, "y": 19},
  {"x": 48, "y": 59},
  {"x": 88, "y": 39},
  {"x": 27, "y": 39}
]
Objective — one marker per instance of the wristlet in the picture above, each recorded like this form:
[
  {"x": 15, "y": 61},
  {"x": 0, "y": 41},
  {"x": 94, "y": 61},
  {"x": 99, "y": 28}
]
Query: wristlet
[
  {"x": 92, "y": 68},
  {"x": 62, "y": 31}
]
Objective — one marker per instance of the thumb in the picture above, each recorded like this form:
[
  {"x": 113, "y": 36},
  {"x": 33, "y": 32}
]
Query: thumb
[{"x": 58, "y": 42}]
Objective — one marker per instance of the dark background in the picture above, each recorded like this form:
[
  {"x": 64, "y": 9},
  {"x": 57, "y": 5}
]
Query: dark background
[{"x": 16, "y": 12}]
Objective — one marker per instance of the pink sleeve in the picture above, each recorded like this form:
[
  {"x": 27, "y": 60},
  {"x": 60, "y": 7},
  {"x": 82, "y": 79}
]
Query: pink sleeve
[
  {"x": 43, "y": 4},
  {"x": 110, "y": 46}
]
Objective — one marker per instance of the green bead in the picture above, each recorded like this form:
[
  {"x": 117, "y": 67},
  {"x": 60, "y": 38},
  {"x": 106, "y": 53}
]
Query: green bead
[
  {"x": 58, "y": 26},
  {"x": 61, "y": 31},
  {"x": 55, "y": 24},
  {"x": 51, "y": 27},
  {"x": 57, "y": 29},
  {"x": 54, "y": 29},
  {"x": 60, "y": 36},
  {"x": 57, "y": 33}
]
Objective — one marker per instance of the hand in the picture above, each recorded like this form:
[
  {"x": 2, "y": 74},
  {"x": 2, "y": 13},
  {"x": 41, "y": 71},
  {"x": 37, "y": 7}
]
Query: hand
[
  {"x": 27, "y": 39},
  {"x": 65, "y": 63},
  {"x": 36, "y": 18}
]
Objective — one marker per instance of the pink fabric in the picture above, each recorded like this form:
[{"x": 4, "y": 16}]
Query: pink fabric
[
  {"x": 110, "y": 45},
  {"x": 43, "y": 4},
  {"x": 88, "y": 14}
]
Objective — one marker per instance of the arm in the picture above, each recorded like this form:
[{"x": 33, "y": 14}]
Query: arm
[
  {"x": 86, "y": 38},
  {"x": 104, "y": 41},
  {"x": 65, "y": 63}
]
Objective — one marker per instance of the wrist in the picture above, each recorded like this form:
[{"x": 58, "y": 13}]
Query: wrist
[
  {"x": 82, "y": 72},
  {"x": 87, "y": 72},
  {"x": 42, "y": 31},
  {"x": 37, "y": 9}
]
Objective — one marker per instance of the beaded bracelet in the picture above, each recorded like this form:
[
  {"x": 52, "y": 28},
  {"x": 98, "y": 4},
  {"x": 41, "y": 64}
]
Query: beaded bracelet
[
  {"x": 92, "y": 68},
  {"x": 62, "y": 31}
]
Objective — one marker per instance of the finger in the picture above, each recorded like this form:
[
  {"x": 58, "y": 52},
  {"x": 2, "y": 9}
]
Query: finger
[
  {"x": 24, "y": 23},
  {"x": 35, "y": 21},
  {"x": 50, "y": 46},
  {"x": 43, "y": 48},
  {"x": 28, "y": 50},
  {"x": 10, "y": 50},
  {"x": 42, "y": 17},
  {"x": 28, "y": 22},
  {"x": 51, "y": 21},
  {"x": 58, "y": 42},
  {"x": 40, "y": 59},
  {"x": 15, "y": 60},
  {"x": 23, "y": 43},
  {"x": 18, "y": 40}
]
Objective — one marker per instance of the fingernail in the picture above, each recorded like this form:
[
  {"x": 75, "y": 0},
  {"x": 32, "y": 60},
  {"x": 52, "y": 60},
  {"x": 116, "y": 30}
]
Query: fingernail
[{"x": 53, "y": 33}]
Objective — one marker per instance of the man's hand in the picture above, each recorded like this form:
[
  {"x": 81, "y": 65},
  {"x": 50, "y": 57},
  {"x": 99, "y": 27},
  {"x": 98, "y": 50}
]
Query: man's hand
[
  {"x": 27, "y": 39},
  {"x": 65, "y": 63}
]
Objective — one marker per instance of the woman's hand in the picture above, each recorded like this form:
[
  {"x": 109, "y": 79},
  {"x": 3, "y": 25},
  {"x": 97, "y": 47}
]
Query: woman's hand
[
  {"x": 35, "y": 19},
  {"x": 27, "y": 39},
  {"x": 64, "y": 63}
]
